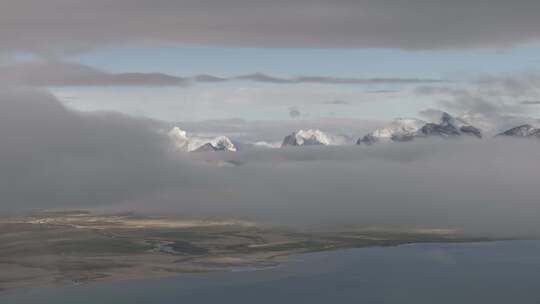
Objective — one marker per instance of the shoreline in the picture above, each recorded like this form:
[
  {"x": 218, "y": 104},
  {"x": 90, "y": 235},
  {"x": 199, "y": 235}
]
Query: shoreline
[
  {"x": 58, "y": 249},
  {"x": 272, "y": 262}
]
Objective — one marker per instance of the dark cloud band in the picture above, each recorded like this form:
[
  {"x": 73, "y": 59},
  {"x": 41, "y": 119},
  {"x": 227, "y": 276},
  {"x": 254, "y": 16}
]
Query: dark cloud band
[
  {"x": 59, "y": 73},
  {"x": 69, "y": 26}
]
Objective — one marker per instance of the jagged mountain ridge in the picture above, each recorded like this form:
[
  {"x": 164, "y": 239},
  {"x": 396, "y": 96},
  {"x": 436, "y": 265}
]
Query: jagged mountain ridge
[
  {"x": 184, "y": 143},
  {"x": 523, "y": 131},
  {"x": 308, "y": 137},
  {"x": 407, "y": 129},
  {"x": 401, "y": 129}
]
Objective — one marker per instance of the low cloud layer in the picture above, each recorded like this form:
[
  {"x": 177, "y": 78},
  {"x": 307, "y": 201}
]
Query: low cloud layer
[
  {"x": 69, "y": 26},
  {"x": 500, "y": 101},
  {"x": 486, "y": 187},
  {"x": 53, "y": 157},
  {"x": 259, "y": 77},
  {"x": 491, "y": 94},
  {"x": 63, "y": 74},
  {"x": 294, "y": 112},
  {"x": 336, "y": 102},
  {"x": 530, "y": 103},
  {"x": 42, "y": 74}
]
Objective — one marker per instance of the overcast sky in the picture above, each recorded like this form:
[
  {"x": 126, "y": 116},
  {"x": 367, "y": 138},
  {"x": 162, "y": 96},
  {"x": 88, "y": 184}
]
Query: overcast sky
[
  {"x": 88, "y": 90},
  {"x": 371, "y": 54},
  {"x": 75, "y": 25}
]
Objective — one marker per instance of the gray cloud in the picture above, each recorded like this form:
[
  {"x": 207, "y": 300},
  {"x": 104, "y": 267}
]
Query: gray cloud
[
  {"x": 336, "y": 80},
  {"x": 478, "y": 104},
  {"x": 498, "y": 100},
  {"x": 209, "y": 78},
  {"x": 431, "y": 114},
  {"x": 470, "y": 185},
  {"x": 60, "y": 25},
  {"x": 260, "y": 77},
  {"x": 524, "y": 84},
  {"x": 60, "y": 73},
  {"x": 336, "y": 102},
  {"x": 55, "y": 157},
  {"x": 467, "y": 99},
  {"x": 294, "y": 112},
  {"x": 530, "y": 102},
  {"x": 73, "y": 74}
]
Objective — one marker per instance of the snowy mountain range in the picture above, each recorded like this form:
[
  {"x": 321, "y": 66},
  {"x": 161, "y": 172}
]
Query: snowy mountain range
[
  {"x": 407, "y": 129},
  {"x": 184, "y": 143},
  {"x": 524, "y": 131},
  {"x": 399, "y": 130},
  {"x": 450, "y": 126}
]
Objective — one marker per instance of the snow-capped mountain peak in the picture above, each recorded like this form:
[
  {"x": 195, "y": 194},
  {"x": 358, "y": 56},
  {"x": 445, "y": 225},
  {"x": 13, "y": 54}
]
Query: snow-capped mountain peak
[
  {"x": 307, "y": 137},
  {"x": 449, "y": 126},
  {"x": 401, "y": 129},
  {"x": 223, "y": 143},
  {"x": 522, "y": 131},
  {"x": 184, "y": 143},
  {"x": 447, "y": 119},
  {"x": 406, "y": 129}
]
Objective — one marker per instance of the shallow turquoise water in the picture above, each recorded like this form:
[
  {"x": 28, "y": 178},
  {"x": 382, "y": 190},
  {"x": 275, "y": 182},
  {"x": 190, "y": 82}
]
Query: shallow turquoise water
[{"x": 498, "y": 272}]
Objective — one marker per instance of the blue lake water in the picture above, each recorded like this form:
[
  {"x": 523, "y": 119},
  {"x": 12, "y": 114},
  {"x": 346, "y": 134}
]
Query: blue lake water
[{"x": 496, "y": 272}]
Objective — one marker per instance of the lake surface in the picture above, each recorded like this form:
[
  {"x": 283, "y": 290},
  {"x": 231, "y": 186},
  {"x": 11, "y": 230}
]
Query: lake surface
[{"x": 496, "y": 272}]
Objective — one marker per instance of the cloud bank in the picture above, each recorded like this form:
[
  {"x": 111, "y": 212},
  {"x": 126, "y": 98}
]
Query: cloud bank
[
  {"x": 530, "y": 102},
  {"x": 64, "y": 74},
  {"x": 260, "y": 77},
  {"x": 69, "y": 26},
  {"x": 501, "y": 101},
  {"x": 54, "y": 157}
]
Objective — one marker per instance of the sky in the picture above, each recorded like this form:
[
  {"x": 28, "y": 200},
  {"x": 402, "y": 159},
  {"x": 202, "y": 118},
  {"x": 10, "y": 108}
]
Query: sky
[
  {"x": 337, "y": 62},
  {"x": 247, "y": 98},
  {"x": 89, "y": 90},
  {"x": 242, "y": 99},
  {"x": 408, "y": 40}
]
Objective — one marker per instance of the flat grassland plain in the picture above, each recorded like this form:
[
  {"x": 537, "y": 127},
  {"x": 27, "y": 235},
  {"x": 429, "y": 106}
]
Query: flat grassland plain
[{"x": 75, "y": 247}]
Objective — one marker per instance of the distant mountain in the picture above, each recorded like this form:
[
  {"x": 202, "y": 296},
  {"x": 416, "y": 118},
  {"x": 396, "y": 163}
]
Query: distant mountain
[
  {"x": 523, "y": 131},
  {"x": 407, "y": 129},
  {"x": 207, "y": 147},
  {"x": 401, "y": 129},
  {"x": 182, "y": 142},
  {"x": 223, "y": 143},
  {"x": 449, "y": 126},
  {"x": 310, "y": 137}
]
